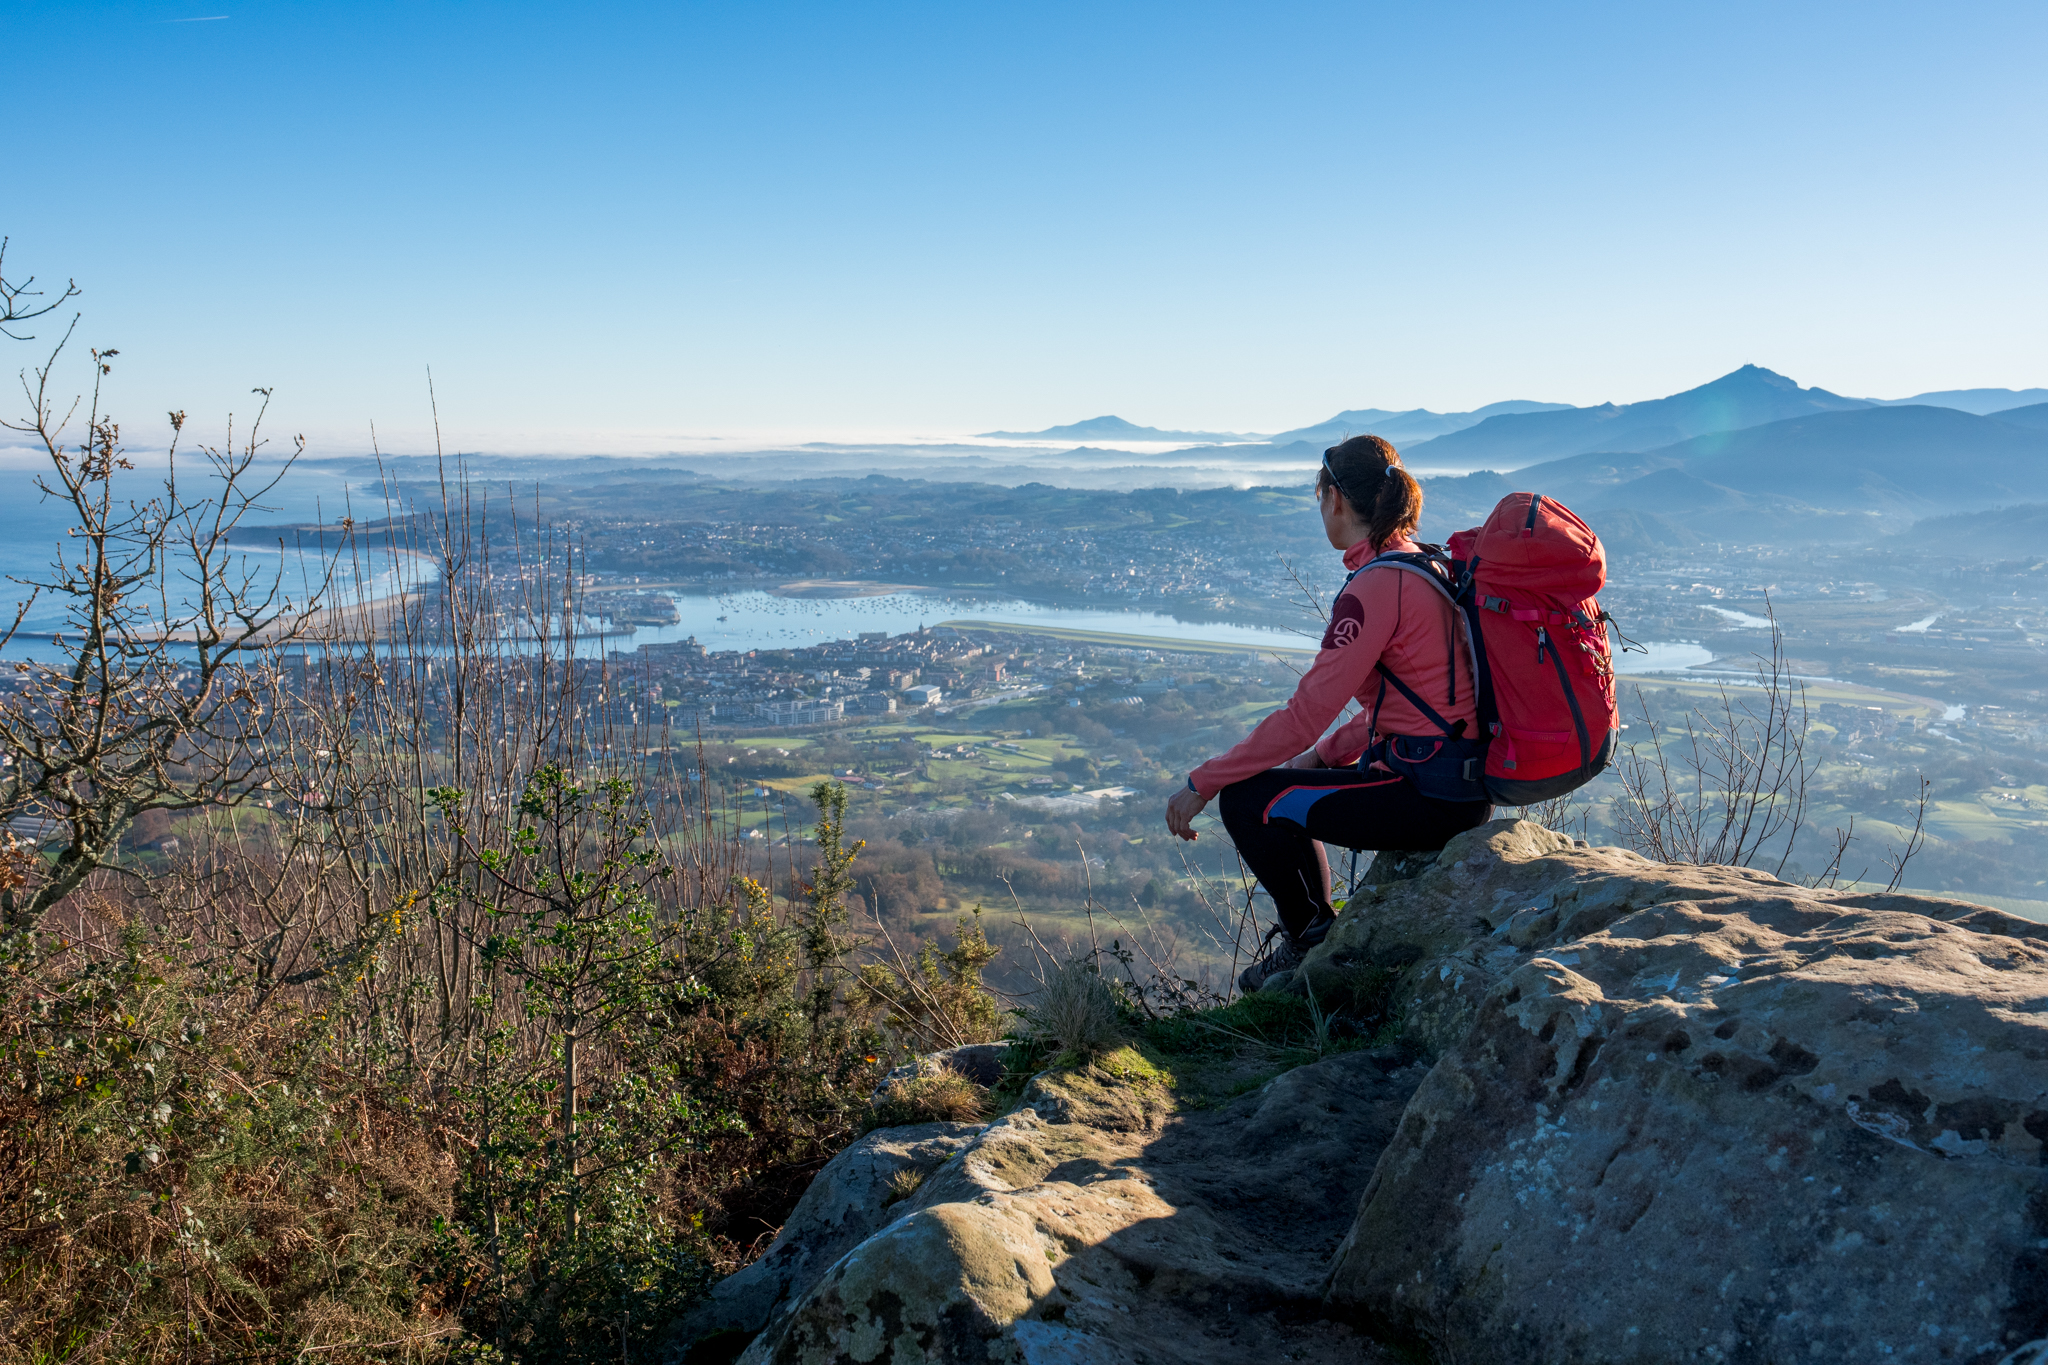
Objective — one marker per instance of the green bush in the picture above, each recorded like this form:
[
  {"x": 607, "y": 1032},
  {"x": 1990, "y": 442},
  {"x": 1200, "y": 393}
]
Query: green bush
[
  {"x": 194, "y": 1164},
  {"x": 698, "y": 1066}
]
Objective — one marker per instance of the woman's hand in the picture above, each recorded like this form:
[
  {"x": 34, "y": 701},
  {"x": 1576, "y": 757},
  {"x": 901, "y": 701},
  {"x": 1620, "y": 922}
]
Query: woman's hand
[
  {"x": 1308, "y": 759},
  {"x": 1182, "y": 809}
]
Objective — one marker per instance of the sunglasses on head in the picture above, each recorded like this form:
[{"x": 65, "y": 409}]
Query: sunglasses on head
[{"x": 1326, "y": 477}]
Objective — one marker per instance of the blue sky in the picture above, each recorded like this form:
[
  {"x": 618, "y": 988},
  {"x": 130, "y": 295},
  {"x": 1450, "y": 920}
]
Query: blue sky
[{"x": 627, "y": 227}]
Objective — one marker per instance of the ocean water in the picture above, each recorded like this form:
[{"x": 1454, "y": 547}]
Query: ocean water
[{"x": 36, "y": 528}]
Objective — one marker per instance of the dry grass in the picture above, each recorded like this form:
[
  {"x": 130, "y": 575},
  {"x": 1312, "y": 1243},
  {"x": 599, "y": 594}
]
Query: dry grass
[
  {"x": 943, "y": 1097},
  {"x": 1076, "y": 1011},
  {"x": 905, "y": 1183}
]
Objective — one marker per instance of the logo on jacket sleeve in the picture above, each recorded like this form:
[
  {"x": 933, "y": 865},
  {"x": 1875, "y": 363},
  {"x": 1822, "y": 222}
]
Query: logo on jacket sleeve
[{"x": 1347, "y": 619}]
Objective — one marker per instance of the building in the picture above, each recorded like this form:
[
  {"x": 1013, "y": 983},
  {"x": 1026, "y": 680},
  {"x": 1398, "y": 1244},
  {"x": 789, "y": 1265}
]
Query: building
[
  {"x": 926, "y": 695},
  {"x": 674, "y": 649},
  {"x": 802, "y": 711}
]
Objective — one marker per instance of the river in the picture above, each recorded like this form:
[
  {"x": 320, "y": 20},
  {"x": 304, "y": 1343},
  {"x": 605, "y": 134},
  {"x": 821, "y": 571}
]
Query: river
[{"x": 765, "y": 620}]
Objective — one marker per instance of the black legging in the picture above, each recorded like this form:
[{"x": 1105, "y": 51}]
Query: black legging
[{"x": 1278, "y": 816}]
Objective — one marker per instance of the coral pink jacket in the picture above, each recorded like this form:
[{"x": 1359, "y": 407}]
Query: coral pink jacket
[{"x": 1383, "y": 614}]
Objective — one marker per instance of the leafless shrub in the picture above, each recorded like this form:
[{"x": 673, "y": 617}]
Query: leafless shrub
[
  {"x": 1309, "y": 597},
  {"x": 1732, "y": 789},
  {"x": 1896, "y": 859},
  {"x": 18, "y": 301},
  {"x": 1830, "y": 876},
  {"x": 157, "y": 703}
]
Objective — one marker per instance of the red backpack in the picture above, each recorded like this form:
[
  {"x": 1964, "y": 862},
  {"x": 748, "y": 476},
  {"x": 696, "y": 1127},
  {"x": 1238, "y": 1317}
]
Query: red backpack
[{"x": 1542, "y": 665}]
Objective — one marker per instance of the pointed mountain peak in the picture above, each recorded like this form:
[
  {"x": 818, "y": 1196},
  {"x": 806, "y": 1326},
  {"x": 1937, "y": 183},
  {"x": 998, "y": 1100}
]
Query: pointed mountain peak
[
  {"x": 1747, "y": 377},
  {"x": 1758, "y": 374},
  {"x": 1754, "y": 383}
]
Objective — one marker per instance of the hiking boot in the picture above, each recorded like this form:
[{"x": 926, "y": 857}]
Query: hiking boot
[{"x": 1283, "y": 956}]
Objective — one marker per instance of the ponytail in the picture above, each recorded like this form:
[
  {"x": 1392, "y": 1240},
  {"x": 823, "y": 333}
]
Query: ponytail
[{"x": 1368, "y": 472}]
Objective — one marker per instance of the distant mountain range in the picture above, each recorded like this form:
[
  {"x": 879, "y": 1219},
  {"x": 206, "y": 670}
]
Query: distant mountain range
[
  {"x": 1823, "y": 476},
  {"x": 1115, "y": 429},
  {"x": 1752, "y": 456},
  {"x": 1520, "y": 432},
  {"x": 1416, "y": 424},
  {"x": 1983, "y": 402},
  {"x": 1751, "y": 396}
]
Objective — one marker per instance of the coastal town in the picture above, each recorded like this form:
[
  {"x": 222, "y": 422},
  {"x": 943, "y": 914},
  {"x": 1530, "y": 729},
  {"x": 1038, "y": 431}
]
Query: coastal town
[{"x": 1909, "y": 662}]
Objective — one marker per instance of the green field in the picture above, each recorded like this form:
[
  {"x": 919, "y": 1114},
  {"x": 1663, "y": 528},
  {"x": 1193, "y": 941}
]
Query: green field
[
  {"x": 1698, "y": 688},
  {"x": 950, "y": 765}
]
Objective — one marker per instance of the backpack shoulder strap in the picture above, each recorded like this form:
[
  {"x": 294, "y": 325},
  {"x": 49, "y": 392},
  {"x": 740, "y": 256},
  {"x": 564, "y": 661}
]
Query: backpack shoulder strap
[
  {"x": 1431, "y": 567},
  {"x": 1436, "y": 569}
]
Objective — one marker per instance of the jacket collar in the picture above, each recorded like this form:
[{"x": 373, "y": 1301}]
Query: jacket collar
[{"x": 1365, "y": 549}]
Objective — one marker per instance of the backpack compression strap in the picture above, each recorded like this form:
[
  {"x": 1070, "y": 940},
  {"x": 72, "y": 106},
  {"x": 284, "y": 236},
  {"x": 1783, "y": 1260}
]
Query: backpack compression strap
[{"x": 1451, "y": 731}]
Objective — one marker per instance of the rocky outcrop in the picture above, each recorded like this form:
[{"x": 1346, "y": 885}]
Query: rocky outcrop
[
  {"x": 1095, "y": 1223},
  {"x": 858, "y": 1192},
  {"x": 1668, "y": 1113}
]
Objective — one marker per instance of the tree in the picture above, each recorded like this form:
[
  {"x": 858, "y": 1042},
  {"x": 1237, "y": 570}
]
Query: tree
[{"x": 573, "y": 921}]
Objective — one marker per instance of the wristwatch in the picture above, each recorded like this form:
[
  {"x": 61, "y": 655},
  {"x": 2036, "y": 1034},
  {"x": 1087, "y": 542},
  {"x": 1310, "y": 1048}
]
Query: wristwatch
[{"x": 1191, "y": 785}]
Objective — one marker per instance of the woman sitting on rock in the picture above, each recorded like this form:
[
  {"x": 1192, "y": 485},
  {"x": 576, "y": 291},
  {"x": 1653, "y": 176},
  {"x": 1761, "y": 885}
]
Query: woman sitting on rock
[{"x": 1395, "y": 646}]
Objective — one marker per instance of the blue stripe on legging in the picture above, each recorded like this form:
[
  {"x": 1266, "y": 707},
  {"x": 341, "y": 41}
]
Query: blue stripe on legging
[{"x": 1293, "y": 804}]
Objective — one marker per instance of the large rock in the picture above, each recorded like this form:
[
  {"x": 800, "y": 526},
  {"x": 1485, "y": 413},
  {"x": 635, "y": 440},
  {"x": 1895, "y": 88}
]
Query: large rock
[
  {"x": 1697, "y": 1113},
  {"x": 1673, "y": 1113}
]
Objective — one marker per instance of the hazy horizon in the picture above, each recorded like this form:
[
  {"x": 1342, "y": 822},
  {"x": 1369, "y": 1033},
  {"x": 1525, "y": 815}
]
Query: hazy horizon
[{"x": 403, "y": 440}]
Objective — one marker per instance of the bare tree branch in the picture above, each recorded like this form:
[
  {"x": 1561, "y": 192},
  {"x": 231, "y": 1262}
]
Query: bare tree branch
[{"x": 16, "y": 299}]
